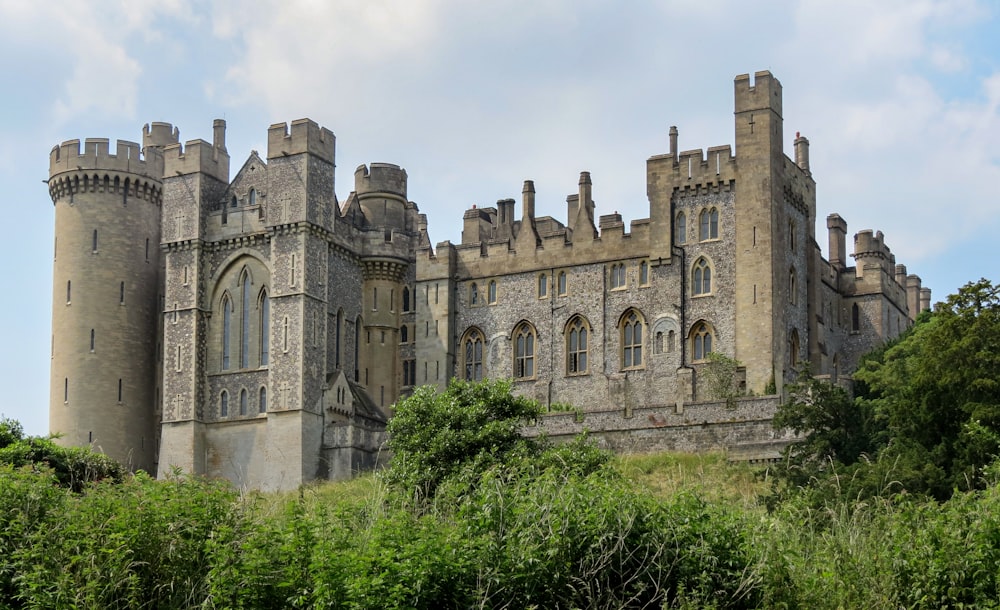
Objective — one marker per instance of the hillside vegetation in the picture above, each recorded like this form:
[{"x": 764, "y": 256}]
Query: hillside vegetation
[{"x": 871, "y": 510}]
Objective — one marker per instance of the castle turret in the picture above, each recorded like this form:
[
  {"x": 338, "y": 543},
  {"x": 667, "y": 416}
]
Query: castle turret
[
  {"x": 381, "y": 190},
  {"x": 837, "y": 230},
  {"x": 105, "y": 285}
]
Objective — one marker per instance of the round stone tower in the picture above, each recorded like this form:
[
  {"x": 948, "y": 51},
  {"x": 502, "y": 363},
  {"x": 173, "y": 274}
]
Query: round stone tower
[
  {"x": 106, "y": 285},
  {"x": 381, "y": 191}
]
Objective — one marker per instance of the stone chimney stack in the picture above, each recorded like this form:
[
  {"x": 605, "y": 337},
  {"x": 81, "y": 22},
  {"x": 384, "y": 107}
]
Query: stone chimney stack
[
  {"x": 802, "y": 152},
  {"x": 673, "y": 142},
  {"x": 528, "y": 201},
  {"x": 219, "y": 134}
]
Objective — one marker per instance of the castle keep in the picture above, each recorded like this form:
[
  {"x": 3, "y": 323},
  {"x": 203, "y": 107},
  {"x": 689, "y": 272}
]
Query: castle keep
[{"x": 259, "y": 329}]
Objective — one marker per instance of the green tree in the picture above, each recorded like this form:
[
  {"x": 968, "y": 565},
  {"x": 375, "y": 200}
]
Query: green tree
[
  {"x": 938, "y": 389},
  {"x": 434, "y": 435}
]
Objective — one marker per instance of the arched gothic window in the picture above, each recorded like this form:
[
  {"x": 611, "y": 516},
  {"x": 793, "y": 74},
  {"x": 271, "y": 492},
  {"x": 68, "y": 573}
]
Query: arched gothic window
[
  {"x": 474, "y": 294},
  {"x": 792, "y": 288},
  {"x": 543, "y": 286},
  {"x": 406, "y": 299},
  {"x": 793, "y": 348},
  {"x": 562, "y": 284},
  {"x": 245, "y": 322},
  {"x": 524, "y": 351},
  {"x": 855, "y": 318},
  {"x": 631, "y": 339},
  {"x": 708, "y": 224},
  {"x": 404, "y": 334},
  {"x": 577, "y": 333},
  {"x": 243, "y": 401},
  {"x": 265, "y": 328},
  {"x": 680, "y": 229},
  {"x": 224, "y": 404},
  {"x": 472, "y": 346},
  {"x": 227, "y": 321},
  {"x": 643, "y": 273},
  {"x": 262, "y": 400},
  {"x": 701, "y": 277},
  {"x": 701, "y": 341},
  {"x": 357, "y": 349},
  {"x": 253, "y": 197},
  {"x": 492, "y": 292},
  {"x": 617, "y": 276}
]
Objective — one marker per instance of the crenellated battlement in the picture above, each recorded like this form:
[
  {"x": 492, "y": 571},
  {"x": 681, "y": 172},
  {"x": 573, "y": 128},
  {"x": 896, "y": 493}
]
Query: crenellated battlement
[
  {"x": 96, "y": 155},
  {"x": 193, "y": 157},
  {"x": 381, "y": 178},
  {"x": 305, "y": 136},
  {"x": 763, "y": 94},
  {"x": 700, "y": 169},
  {"x": 159, "y": 135}
]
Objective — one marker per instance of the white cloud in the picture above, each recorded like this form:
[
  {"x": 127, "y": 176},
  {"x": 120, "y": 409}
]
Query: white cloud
[{"x": 91, "y": 42}]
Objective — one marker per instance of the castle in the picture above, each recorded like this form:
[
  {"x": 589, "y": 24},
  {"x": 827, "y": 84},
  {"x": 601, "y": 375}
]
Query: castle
[{"x": 258, "y": 329}]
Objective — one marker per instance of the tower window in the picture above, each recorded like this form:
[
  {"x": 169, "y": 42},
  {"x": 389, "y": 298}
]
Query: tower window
[
  {"x": 617, "y": 276},
  {"x": 245, "y": 323},
  {"x": 69, "y": 291},
  {"x": 93, "y": 244},
  {"x": 121, "y": 293},
  {"x": 680, "y": 229},
  {"x": 631, "y": 329},
  {"x": 492, "y": 292},
  {"x": 701, "y": 341},
  {"x": 643, "y": 273},
  {"x": 562, "y": 284},
  {"x": 92, "y": 340},
  {"x": 262, "y": 401},
  {"x": 147, "y": 249},
  {"x": 253, "y": 197},
  {"x": 227, "y": 320},
  {"x": 543, "y": 286},
  {"x": 473, "y": 294},
  {"x": 265, "y": 329},
  {"x": 701, "y": 277},
  {"x": 576, "y": 346},
  {"x": 65, "y": 389},
  {"x": 708, "y": 224},
  {"x": 243, "y": 401},
  {"x": 224, "y": 404},
  {"x": 524, "y": 351},
  {"x": 119, "y": 390},
  {"x": 472, "y": 351},
  {"x": 406, "y": 299}
]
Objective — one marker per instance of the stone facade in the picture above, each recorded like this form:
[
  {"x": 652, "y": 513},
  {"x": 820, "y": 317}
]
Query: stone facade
[{"x": 265, "y": 334}]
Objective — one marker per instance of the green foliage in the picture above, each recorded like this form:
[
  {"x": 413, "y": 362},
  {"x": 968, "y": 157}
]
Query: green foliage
[
  {"x": 434, "y": 435},
  {"x": 722, "y": 378},
  {"x": 73, "y": 467},
  {"x": 938, "y": 390}
]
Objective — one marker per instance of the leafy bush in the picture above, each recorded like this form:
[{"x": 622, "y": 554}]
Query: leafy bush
[
  {"x": 73, "y": 467},
  {"x": 434, "y": 435}
]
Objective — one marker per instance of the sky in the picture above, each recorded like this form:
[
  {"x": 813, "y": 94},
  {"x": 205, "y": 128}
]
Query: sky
[{"x": 900, "y": 100}]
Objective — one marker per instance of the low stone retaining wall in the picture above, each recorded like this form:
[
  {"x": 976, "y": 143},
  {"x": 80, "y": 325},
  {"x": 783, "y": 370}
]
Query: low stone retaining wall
[{"x": 741, "y": 428}]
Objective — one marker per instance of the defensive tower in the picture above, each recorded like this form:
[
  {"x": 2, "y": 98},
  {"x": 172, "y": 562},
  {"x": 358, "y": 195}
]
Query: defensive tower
[{"x": 106, "y": 281}]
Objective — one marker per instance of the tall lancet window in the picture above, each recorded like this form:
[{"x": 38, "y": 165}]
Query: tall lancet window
[
  {"x": 265, "y": 328},
  {"x": 245, "y": 324},
  {"x": 227, "y": 321}
]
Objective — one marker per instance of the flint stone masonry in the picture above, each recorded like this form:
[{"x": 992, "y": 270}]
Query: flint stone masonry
[{"x": 268, "y": 281}]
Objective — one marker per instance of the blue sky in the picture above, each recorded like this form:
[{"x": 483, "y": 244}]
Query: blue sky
[{"x": 900, "y": 100}]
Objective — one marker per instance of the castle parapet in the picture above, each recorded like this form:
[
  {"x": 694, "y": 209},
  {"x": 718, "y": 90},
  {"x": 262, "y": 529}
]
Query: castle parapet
[
  {"x": 96, "y": 155},
  {"x": 159, "y": 135},
  {"x": 381, "y": 178},
  {"x": 305, "y": 136},
  {"x": 764, "y": 93},
  {"x": 698, "y": 169},
  {"x": 195, "y": 156}
]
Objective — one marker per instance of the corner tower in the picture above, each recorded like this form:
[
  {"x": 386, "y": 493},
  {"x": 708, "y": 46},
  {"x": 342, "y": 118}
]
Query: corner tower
[{"x": 105, "y": 289}]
